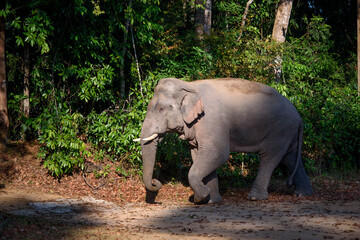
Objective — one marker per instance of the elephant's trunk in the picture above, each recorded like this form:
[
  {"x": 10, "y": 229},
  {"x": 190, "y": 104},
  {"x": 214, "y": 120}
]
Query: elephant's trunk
[{"x": 148, "y": 149}]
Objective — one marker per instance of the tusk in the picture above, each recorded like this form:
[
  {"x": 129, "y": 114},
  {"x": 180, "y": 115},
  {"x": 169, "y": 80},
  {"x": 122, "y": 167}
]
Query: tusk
[{"x": 152, "y": 137}]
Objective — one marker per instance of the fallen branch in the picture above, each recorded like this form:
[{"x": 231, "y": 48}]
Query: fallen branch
[
  {"x": 93, "y": 188},
  {"x": 87, "y": 164}
]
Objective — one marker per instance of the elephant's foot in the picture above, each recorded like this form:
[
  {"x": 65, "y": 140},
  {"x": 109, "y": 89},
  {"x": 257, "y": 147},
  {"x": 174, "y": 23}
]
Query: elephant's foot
[
  {"x": 202, "y": 195},
  {"x": 206, "y": 200},
  {"x": 151, "y": 196},
  {"x": 304, "y": 191},
  {"x": 201, "y": 201},
  {"x": 215, "y": 200},
  {"x": 303, "y": 187},
  {"x": 255, "y": 195}
]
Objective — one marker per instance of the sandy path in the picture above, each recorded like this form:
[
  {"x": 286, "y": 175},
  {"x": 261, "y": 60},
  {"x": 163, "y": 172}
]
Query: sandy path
[{"x": 244, "y": 220}]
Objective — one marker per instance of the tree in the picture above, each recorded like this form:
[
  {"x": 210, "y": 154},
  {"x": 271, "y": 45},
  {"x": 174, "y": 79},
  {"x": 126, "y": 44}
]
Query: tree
[
  {"x": 123, "y": 52},
  {"x": 358, "y": 44},
  {"x": 4, "y": 119},
  {"x": 26, "y": 101},
  {"x": 279, "y": 31},
  {"x": 244, "y": 18},
  {"x": 282, "y": 20},
  {"x": 203, "y": 17}
]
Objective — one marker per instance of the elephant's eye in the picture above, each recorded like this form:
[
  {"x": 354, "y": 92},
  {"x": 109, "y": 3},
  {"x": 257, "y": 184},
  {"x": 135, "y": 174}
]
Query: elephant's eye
[{"x": 164, "y": 108}]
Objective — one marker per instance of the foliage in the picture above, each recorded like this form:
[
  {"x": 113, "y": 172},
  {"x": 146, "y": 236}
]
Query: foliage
[
  {"x": 174, "y": 158},
  {"x": 308, "y": 58},
  {"x": 103, "y": 173},
  {"x": 331, "y": 129},
  {"x": 96, "y": 79},
  {"x": 114, "y": 130},
  {"x": 36, "y": 29},
  {"x": 239, "y": 168},
  {"x": 259, "y": 20},
  {"x": 82, "y": 54},
  {"x": 63, "y": 149},
  {"x": 192, "y": 64}
]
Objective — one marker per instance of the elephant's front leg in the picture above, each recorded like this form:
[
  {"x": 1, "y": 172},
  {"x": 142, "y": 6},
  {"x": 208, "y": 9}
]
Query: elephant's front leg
[
  {"x": 202, "y": 175},
  {"x": 211, "y": 181}
]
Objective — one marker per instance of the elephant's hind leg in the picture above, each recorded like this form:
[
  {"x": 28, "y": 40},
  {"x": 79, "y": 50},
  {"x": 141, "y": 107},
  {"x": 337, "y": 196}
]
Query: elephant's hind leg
[
  {"x": 301, "y": 180},
  {"x": 270, "y": 157},
  {"x": 261, "y": 183}
]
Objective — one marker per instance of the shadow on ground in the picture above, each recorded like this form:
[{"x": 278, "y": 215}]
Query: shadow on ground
[
  {"x": 54, "y": 218},
  {"x": 8, "y": 161},
  {"x": 259, "y": 220},
  {"x": 87, "y": 217}
]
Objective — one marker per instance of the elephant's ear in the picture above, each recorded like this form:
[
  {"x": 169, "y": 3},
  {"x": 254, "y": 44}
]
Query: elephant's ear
[{"x": 191, "y": 107}]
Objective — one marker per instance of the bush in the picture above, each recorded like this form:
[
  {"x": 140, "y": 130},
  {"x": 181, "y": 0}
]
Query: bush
[
  {"x": 78, "y": 106},
  {"x": 63, "y": 149},
  {"x": 68, "y": 139},
  {"x": 331, "y": 130},
  {"x": 173, "y": 159},
  {"x": 193, "y": 63}
]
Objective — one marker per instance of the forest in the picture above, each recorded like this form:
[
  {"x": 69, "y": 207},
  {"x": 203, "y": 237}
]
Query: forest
[{"x": 79, "y": 74}]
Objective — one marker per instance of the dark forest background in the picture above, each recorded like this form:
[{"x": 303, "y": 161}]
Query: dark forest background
[{"x": 81, "y": 73}]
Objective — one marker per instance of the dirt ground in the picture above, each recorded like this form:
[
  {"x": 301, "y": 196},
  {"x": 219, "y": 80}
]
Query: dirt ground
[{"x": 34, "y": 205}]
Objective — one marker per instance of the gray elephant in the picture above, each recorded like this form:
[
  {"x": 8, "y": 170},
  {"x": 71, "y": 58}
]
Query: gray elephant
[{"x": 218, "y": 116}]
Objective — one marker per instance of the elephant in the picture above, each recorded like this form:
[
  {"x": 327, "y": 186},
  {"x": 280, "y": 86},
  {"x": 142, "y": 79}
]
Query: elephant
[{"x": 219, "y": 116}]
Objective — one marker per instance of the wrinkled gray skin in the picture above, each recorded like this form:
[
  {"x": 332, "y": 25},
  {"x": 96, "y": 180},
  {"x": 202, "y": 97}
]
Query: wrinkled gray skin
[{"x": 222, "y": 115}]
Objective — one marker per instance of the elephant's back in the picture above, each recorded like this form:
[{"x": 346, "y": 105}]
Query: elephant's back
[
  {"x": 244, "y": 100},
  {"x": 238, "y": 86}
]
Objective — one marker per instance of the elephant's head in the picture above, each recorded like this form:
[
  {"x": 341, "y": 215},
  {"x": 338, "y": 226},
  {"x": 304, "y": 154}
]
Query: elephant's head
[{"x": 174, "y": 104}]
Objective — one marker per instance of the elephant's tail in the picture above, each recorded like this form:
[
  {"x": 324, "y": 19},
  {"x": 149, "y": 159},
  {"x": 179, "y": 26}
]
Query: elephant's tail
[{"x": 298, "y": 157}]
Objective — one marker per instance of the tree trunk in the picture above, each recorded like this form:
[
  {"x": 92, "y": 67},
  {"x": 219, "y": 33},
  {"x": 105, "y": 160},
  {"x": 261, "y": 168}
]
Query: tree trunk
[
  {"x": 358, "y": 44},
  {"x": 282, "y": 20},
  {"x": 244, "y": 18},
  {"x": 123, "y": 52},
  {"x": 4, "y": 119},
  {"x": 203, "y": 10},
  {"x": 122, "y": 68},
  {"x": 26, "y": 101},
  {"x": 279, "y": 31}
]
